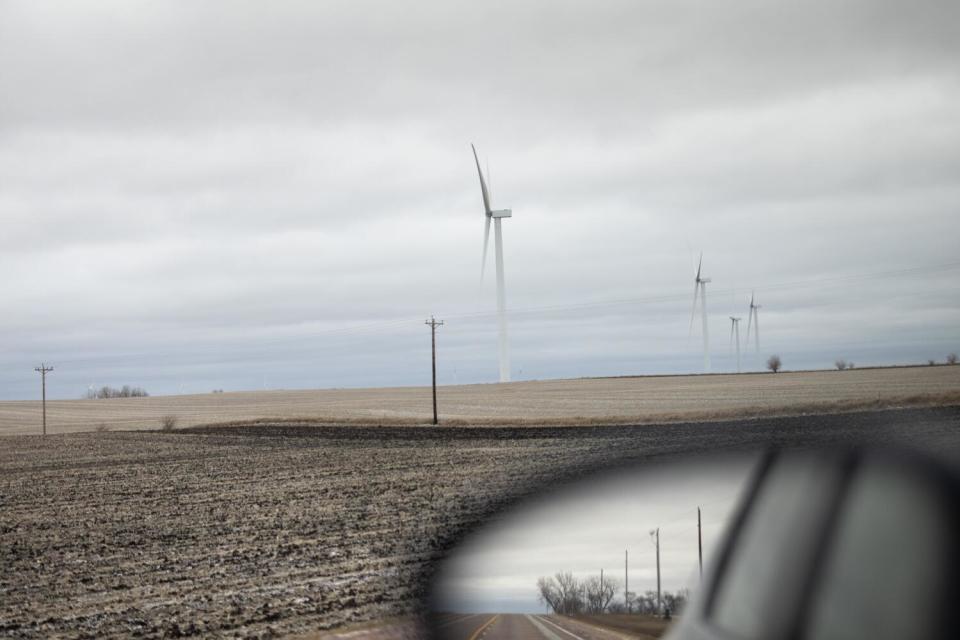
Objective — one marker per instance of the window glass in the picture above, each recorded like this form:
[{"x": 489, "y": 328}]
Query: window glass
[
  {"x": 770, "y": 556},
  {"x": 881, "y": 578}
]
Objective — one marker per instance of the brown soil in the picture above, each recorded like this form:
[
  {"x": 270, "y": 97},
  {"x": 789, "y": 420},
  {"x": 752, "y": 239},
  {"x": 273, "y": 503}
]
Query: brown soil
[
  {"x": 639, "y": 400},
  {"x": 285, "y": 530}
]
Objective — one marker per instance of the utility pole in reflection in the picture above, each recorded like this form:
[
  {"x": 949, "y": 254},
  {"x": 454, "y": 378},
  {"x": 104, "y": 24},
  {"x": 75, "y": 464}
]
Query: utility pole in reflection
[
  {"x": 700, "y": 543},
  {"x": 655, "y": 535},
  {"x": 433, "y": 359},
  {"x": 43, "y": 370}
]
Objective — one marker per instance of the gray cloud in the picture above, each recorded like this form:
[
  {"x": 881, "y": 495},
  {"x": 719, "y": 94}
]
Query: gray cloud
[{"x": 201, "y": 185}]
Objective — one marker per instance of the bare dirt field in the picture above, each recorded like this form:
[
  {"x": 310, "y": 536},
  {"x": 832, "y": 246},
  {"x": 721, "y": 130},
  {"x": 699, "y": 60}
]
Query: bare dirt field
[
  {"x": 288, "y": 530},
  {"x": 573, "y": 402}
]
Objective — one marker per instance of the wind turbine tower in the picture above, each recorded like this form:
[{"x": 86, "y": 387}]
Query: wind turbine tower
[
  {"x": 700, "y": 287},
  {"x": 496, "y": 216},
  {"x": 754, "y": 319},
  {"x": 735, "y": 333}
]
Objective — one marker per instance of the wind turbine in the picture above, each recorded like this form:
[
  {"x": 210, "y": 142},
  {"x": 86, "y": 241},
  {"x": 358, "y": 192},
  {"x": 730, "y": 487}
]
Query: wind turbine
[
  {"x": 754, "y": 319},
  {"x": 700, "y": 286},
  {"x": 735, "y": 332},
  {"x": 496, "y": 216}
]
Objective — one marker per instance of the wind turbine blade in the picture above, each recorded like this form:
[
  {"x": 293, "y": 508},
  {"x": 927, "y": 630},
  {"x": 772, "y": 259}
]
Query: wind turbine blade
[
  {"x": 699, "y": 264},
  {"x": 733, "y": 323},
  {"x": 489, "y": 179},
  {"x": 483, "y": 184},
  {"x": 693, "y": 312},
  {"x": 486, "y": 242},
  {"x": 750, "y": 318}
]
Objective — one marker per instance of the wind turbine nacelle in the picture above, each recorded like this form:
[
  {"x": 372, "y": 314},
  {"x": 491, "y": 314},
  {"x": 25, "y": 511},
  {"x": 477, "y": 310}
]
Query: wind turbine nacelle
[{"x": 502, "y": 213}]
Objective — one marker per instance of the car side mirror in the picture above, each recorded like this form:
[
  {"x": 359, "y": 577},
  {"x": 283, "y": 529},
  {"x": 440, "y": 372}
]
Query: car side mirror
[{"x": 853, "y": 543}]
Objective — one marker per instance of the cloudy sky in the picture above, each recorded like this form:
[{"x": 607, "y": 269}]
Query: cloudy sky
[
  {"x": 587, "y": 527},
  {"x": 246, "y": 195}
]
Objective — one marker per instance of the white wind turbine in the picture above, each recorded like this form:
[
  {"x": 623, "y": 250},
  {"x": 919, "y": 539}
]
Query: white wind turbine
[
  {"x": 735, "y": 333},
  {"x": 496, "y": 216},
  {"x": 700, "y": 286},
  {"x": 754, "y": 320}
]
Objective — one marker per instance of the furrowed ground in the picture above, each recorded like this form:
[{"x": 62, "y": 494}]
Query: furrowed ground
[{"x": 285, "y": 530}]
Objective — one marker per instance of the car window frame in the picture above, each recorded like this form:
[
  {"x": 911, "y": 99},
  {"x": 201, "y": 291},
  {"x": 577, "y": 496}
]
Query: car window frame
[{"x": 847, "y": 461}]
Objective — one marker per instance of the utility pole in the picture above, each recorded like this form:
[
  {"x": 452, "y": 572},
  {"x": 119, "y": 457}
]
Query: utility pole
[
  {"x": 433, "y": 358},
  {"x": 43, "y": 370},
  {"x": 655, "y": 534},
  {"x": 700, "y": 542}
]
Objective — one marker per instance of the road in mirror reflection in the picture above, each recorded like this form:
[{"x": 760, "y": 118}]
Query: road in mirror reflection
[{"x": 581, "y": 561}]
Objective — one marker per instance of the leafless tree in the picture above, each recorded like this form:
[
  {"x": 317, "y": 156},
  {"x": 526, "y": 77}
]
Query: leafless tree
[
  {"x": 125, "y": 392},
  {"x": 562, "y": 592},
  {"x": 774, "y": 364},
  {"x": 646, "y": 603},
  {"x": 547, "y": 593},
  {"x": 600, "y": 593},
  {"x": 952, "y": 358},
  {"x": 567, "y": 595},
  {"x": 840, "y": 364},
  {"x": 571, "y": 592},
  {"x": 675, "y": 602}
]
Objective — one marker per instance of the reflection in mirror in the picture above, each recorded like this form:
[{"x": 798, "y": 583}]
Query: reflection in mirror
[{"x": 613, "y": 555}]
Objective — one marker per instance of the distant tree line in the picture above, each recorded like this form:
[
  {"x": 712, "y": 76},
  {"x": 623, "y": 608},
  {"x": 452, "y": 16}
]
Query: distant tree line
[
  {"x": 566, "y": 594},
  {"x": 126, "y": 391},
  {"x": 646, "y": 604},
  {"x": 842, "y": 364}
]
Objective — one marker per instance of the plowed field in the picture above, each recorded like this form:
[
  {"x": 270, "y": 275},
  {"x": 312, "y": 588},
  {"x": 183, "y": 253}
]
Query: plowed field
[{"x": 280, "y": 530}]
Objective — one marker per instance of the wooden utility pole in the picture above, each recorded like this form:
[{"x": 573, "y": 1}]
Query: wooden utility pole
[
  {"x": 43, "y": 370},
  {"x": 700, "y": 542},
  {"x": 433, "y": 359}
]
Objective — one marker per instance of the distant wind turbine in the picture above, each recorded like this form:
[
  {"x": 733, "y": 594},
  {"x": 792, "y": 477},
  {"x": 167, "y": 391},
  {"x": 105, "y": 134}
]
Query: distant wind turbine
[
  {"x": 496, "y": 216},
  {"x": 700, "y": 286},
  {"x": 735, "y": 333},
  {"x": 754, "y": 320}
]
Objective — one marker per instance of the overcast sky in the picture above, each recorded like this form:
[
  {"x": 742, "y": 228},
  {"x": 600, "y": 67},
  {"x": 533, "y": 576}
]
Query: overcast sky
[
  {"x": 587, "y": 527},
  {"x": 245, "y": 195}
]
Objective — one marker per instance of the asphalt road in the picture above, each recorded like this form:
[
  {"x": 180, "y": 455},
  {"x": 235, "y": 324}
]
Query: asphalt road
[{"x": 517, "y": 626}]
